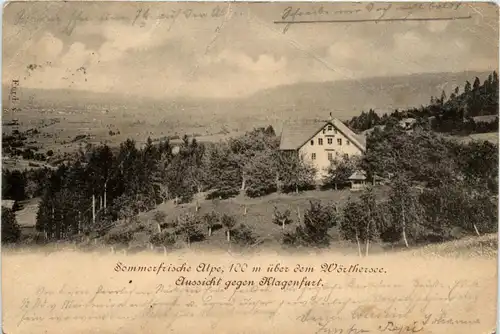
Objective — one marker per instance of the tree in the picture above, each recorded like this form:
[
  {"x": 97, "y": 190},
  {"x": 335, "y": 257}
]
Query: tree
[
  {"x": 294, "y": 173},
  {"x": 128, "y": 166},
  {"x": 477, "y": 84},
  {"x": 223, "y": 173},
  {"x": 478, "y": 161},
  {"x": 371, "y": 230},
  {"x": 365, "y": 121},
  {"x": 406, "y": 212},
  {"x": 244, "y": 235},
  {"x": 228, "y": 222},
  {"x": 13, "y": 185},
  {"x": 420, "y": 156},
  {"x": 482, "y": 213},
  {"x": 318, "y": 219},
  {"x": 261, "y": 174},
  {"x": 340, "y": 170},
  {"x": 11, "y": 231},
  {"x": 159, "y": 218},
  {"x": 443, "y": 98},
  {"x": 361, "y": 220},
  {"x": 281, "y": 218},
  {"x": 163, "y": 238},
  {"x": 352, "y": 224},
  {"x": 190, "y": 227},
  {"x": 467, "y": 87},
  {"x": 99, "y": 171},
  {"x": 211, "y": 220},
  {"x": 456, "y": 205}
]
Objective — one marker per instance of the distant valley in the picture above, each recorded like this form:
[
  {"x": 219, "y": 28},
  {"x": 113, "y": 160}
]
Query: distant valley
[{"x": 141, "y": 117}]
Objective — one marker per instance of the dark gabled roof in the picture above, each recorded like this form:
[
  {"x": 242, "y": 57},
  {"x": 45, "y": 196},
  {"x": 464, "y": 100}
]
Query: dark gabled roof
[{"x": 294, "y": 136}]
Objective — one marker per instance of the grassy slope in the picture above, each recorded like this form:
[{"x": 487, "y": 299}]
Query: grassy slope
[
  {"x": 259, "y": 214},
  {"x": 259, "y": 217}
]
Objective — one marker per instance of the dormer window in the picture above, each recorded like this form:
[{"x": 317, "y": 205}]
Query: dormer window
[{"x": 330, "y": 128}]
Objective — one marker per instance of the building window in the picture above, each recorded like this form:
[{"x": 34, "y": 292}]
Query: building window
[
  {"x": 347, "y": 142},
  {"x": 339, "y": 141},
  {"x": 312, "y": 142},
  {"x": 330, "y": 128},
  {"x": 330, "y": 141},
  {"x": 313, "y": 156},
  {"x": 320, "y": 141},
  {"x": 336, "y": 131},
  {"x": 324, "y": 131},
  {"x": 330, "y": 156}
]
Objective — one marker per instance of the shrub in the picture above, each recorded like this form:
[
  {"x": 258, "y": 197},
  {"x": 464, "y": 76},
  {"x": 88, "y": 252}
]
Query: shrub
[
  {"x": 243, "y": 235},
  {"x": 190, "y": 227},
  {"x": 11, "y": 232},
  {"x": 454, "y": 205},
  {"x": 228, "y": 222},
  {"x": 119, "y": 237},
  {"x": 282, "y": 218},
  {"x": 318, "y": 219},
  {"x": 211, "y": 221},
  {"x": 163, "y": 238},
  {"x": 159, "y": 216}
]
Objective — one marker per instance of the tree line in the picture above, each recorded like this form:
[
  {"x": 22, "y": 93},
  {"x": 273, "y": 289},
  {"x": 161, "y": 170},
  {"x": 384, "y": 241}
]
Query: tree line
[
  {"x": 450, "y": 114},
  {"x": 407, "y": 217},
  {"x": 103, "y": 185}
]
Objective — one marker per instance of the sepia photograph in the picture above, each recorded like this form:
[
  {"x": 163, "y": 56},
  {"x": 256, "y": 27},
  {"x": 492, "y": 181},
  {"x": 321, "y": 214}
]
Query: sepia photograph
[{"x": 250, "y": 167}]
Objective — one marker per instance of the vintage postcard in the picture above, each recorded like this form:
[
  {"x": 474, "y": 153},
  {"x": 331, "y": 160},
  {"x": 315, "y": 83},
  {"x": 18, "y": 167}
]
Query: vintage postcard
[{"x": 244, "y": 167}]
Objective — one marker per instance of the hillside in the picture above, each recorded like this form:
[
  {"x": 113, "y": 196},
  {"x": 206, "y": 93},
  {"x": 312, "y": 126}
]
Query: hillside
[{"x": 345, "y": 98}]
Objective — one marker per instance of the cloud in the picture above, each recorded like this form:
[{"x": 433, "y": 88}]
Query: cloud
[
  {"x": 192, "y": 57},
  {"x": 264, "y": 63},
  {"x": 411, "y": 45},
  {"x": 119, "y": 38},
  {"x": 48, "y": 47}
]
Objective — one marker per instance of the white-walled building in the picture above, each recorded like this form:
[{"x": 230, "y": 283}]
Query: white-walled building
[{"x": 321, "y": 142}]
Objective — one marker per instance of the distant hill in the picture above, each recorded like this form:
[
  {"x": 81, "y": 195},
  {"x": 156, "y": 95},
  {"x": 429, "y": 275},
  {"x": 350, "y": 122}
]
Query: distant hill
[{"x": 344, "y": 99}]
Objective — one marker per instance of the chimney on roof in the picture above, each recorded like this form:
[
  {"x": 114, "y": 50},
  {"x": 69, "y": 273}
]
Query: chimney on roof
[{"x": 331, "y": 116}]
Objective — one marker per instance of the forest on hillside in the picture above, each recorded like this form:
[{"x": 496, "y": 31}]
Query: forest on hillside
[
  {"x": 89, "y": 195},
  {"x": 450, "y": 114},
  {"x": 436, "y": 185}
]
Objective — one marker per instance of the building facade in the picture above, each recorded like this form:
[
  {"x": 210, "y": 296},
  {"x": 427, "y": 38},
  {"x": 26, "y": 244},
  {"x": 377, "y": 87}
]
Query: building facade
[{"x": 318, "y": 143}]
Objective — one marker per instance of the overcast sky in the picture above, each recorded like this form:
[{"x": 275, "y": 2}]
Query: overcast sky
[{"x": 235, "y": 53}]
